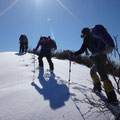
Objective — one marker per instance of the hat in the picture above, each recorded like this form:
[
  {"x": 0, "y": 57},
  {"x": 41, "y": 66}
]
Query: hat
[{"x": 85, "y": 31}]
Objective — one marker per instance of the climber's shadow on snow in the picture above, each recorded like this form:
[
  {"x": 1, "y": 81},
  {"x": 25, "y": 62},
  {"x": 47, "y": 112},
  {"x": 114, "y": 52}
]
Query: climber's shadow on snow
[{"x": 56, "y": 93}]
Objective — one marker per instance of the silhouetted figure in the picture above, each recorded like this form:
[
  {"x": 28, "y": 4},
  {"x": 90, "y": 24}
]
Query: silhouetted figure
[
  {"x": 23, "y": 44},
  {"x": 47, "y": 45},
  {"x": 99, "y": 57}
]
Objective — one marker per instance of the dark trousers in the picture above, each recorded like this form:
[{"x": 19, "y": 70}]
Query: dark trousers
[
  {"x": 100, "y": 61},
  {"x": 23, "y": 48},
  {"x": 46, "y": 53}
]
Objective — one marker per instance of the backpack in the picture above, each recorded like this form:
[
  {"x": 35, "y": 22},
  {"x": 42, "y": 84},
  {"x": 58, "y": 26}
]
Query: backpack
[
  {"x": 105, "y": 40},
  {"x": 52, "y": 44},
  {"x": 23, "y": 39},
  {"x": 47, "y": 42}
]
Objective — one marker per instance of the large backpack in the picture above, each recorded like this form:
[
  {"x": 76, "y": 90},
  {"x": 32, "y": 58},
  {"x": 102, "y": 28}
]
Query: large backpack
[
  {"x": 47, "y": 42},
  {"x": 23, "y": 39},
  {"x": 52, "y": 44},
  {"x": 99, "y": 32}
]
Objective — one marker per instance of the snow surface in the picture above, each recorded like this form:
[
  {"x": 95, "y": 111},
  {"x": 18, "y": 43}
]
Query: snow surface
[{"x": 30, "y": 93}]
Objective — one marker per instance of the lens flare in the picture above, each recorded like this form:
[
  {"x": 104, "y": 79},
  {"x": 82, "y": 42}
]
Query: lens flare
[
  {"x": 68, "y": 10},
  {"x": 52, "y": 34},
  {"x": 8, "y": 8},
  {"x": 51, "y": 30},
  {"x": 37, "y": 2},
  {"x": 48, "y": 19}
]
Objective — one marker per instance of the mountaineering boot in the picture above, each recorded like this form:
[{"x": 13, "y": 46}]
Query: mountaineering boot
[
  {"x": 112, "y": 98},
  {"x": 97, "y": 87},
  {"x": 51, "y": 71},
  {"x": 96, "y": 83}
]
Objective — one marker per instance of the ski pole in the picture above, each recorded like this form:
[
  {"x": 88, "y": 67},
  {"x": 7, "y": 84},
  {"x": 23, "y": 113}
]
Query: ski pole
[
  {"x": 69, "y": 69},
  {"x": 34, "y": 69}
]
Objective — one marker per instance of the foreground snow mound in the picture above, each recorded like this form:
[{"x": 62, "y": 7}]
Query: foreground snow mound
[{"x": 30, "y": 93}]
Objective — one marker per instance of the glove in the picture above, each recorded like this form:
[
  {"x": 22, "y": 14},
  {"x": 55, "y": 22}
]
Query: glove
[
  {"x": 52, "y": 51},
  {"x": 34, "y": 50},
  {"x": 86, "y": 52},
  {"x": 71, "y": 54}
]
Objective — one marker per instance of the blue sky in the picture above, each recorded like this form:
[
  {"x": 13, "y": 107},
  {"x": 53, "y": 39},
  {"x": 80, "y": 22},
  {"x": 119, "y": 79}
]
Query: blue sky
[{"x": 61, "y": 19}]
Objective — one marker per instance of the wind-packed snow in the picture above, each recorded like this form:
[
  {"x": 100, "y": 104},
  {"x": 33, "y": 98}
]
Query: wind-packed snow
[{"x": 30, "y": 93}]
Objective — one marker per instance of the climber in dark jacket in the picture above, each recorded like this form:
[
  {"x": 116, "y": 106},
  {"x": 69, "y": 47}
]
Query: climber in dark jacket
[
  {"x": 99, "y": 60},
  {"x": 23, "y": 40}
]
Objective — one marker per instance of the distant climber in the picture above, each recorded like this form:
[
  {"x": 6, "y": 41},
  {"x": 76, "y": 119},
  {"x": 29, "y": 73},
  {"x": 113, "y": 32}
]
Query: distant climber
[{"x": 23, "y": 40}]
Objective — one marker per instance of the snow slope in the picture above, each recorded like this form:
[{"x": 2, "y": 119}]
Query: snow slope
[{"x": 30, "y": 93}]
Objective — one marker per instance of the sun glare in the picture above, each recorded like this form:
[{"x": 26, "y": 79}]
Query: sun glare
[{"x": 38, "y": 2}]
